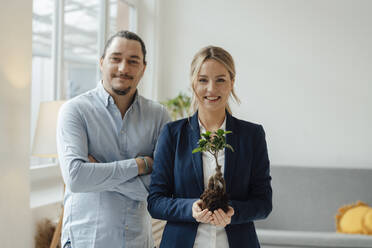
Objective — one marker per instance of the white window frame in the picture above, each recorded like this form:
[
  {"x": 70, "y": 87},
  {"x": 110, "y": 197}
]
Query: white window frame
[{"x": 46, "y": 187}]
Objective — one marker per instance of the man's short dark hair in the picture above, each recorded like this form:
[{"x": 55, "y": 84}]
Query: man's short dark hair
[{"x": 129, "y": 36}]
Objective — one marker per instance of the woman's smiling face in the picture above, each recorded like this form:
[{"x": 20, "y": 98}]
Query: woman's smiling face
[{"x": 213, "y": 86}]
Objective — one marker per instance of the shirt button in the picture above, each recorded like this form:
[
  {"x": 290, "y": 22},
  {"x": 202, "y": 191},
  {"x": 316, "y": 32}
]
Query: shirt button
[{"x": 126, "y": 227}]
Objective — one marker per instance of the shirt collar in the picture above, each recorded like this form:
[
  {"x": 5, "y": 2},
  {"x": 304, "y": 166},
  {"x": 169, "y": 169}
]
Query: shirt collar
[
  {"x": 203, "y": 130},
  {"x": 104, "y": 95},
  {"x": 108, "y": 99}
]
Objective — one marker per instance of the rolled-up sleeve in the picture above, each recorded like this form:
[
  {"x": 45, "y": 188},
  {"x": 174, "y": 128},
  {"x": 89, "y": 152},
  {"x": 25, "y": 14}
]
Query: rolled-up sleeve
[
  {"x": 138, "y": 188},
  {"x": 72, "y": 144}
]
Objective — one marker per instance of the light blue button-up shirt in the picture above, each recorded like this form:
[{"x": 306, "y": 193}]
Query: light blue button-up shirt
[{"x": 105, "y": 203}]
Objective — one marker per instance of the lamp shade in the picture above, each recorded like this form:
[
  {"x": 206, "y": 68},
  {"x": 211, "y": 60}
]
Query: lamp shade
[{"x": 44, "y": 144}]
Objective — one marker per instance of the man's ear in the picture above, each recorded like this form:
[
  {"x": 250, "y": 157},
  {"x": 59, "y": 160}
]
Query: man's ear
[
  {"x": 143, "y": 71},
  {"x": 100, "y": 63}
]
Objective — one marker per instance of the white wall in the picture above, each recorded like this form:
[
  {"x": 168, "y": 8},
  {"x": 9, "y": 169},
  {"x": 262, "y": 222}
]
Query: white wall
[
  {"x": 146, "y": 29},
  {"x": 15, "y": 78},
  {"x": 304, "y": 70}
]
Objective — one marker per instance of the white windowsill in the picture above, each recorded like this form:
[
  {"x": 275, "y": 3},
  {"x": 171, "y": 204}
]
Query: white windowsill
[
  {"x": 46, "y": 185},
  {"x": 42, "y": 172},
  {"x": 42, "y": 166}
]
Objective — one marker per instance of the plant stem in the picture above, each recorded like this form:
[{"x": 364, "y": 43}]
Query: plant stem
[{"x": 218, "y": 167}]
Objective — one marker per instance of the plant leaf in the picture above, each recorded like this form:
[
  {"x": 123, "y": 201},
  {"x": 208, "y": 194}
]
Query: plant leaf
[
  {"x": 213, "y": 142},
  {"x": 229, "y": 146},
  {"x": 198, "y": 149},
  {"x": 220, "y": 132}
]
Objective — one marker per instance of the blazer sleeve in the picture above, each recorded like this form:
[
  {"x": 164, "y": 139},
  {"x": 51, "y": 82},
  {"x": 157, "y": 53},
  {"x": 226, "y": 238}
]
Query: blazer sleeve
[
  {"x": 259, "y": 203},
  {"x": 161, "y": 201}
]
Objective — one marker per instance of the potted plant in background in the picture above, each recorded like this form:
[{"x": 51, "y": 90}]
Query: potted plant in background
[{"x": 179, "y": 106}]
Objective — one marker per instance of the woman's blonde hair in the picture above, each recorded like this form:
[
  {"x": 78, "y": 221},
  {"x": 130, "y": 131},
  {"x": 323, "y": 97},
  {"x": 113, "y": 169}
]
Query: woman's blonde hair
[{"x": 219, "y": 54}]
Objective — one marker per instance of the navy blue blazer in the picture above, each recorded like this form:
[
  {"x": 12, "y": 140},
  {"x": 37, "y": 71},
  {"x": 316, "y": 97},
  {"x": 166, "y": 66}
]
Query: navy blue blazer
[{"x": 177, "y": 181}]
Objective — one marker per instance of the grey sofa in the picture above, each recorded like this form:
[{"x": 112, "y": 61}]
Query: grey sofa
[{"x": 305, "y": 201}]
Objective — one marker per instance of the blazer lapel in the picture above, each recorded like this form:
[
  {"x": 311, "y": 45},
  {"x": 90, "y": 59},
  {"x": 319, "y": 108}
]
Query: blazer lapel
[
  {"x": 194, "y": 136},
  {"x": 230, "y": 156}
]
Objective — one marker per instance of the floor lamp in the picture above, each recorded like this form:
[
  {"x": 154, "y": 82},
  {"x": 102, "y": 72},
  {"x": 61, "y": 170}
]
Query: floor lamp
[{"x": 44, "y": 145}]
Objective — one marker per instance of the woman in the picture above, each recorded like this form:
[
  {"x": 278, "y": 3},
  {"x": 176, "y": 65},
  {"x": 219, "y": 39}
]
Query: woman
[{"x": 179, "y": 177}]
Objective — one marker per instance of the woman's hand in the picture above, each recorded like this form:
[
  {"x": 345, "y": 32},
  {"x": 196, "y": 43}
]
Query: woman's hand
[
  {"x": 203, "y": 216},
  {"x": 222, "y": 219}
]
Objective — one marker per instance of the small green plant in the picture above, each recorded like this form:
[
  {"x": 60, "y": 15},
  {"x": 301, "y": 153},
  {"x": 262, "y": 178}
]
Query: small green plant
[
  {"x": 214, "y": 196},
  {"x": 178, "y": 106}
]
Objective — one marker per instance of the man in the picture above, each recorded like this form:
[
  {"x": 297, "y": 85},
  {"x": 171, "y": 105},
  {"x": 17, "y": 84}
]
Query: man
[{"x": 105, "y": 139}]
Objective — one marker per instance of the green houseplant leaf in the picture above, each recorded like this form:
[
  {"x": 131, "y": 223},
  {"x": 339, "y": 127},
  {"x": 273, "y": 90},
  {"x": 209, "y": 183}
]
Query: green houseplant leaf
[{"x": 179, "y": 106}]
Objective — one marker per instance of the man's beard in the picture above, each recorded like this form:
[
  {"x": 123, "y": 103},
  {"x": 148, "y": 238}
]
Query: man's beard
[{"x": 121, "y": 92}]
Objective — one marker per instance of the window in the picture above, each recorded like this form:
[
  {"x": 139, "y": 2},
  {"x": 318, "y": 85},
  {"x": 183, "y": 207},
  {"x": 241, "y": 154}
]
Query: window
[
  {"x": 42, "y": 87},
  {"x": 67, "y": 40},
  {"x": 122, "y": 9},
  {"x": 80, "y": 46}
]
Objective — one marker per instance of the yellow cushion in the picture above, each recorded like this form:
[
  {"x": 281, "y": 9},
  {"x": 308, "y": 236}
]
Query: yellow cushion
[
  {"x": 355, "y": 218},
  {"x": 367, "y": 222}
]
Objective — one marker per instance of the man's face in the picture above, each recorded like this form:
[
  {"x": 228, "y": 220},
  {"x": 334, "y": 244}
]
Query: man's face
[{"x": 122, "y": 67}]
